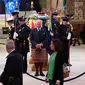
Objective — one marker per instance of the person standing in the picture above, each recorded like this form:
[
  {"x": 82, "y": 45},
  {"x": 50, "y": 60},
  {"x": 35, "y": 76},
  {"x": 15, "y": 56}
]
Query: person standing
[
  {"x": 12, "y": 74},
  {"x": 55, "y": 24},
  {"x": 11, "y": 27},
  {"x": 22, "y": 43},
  {"x": 38, "y": 38},
  {"x": 56, "y": 61},
  {"x": 13, "y": 22},
  {"x": 15, "y": 15},
  {"x": 65, "y": 36}
]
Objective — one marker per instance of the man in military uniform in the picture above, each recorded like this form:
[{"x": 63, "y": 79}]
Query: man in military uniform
[
  {"x": 65, "y": 36},
  {"x": 11, "y": 27},
  {"x": 15, "y": 15},
  {"x": 12, "y": 74},
  {"x": 21, "y": 40},
  {"x": 55, "y": 24},
  {"x": 70, "y": 16},
  {"x": 13, "y": 22}
]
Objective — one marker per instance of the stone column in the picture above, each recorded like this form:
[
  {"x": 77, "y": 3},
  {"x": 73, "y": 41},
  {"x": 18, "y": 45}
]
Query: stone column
[
  {"x": 49, "y": 4},
  {"x": 60, "y": 5},
  {"x": 54, "y": 4},
  {"x": 43, "y": 3}
]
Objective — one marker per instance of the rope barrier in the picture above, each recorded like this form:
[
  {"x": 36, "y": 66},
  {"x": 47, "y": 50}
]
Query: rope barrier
[{"x": 64, "y": 80}]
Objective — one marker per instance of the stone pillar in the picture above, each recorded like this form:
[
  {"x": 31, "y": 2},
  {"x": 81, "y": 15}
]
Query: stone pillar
[
  {"x": 60, "y": 5},
  {"x": 43, "y": 3},
  {"x": 53, "y": 4},
  {"x": 49, "y": 4},
  {"x": 77, "y": 7}
]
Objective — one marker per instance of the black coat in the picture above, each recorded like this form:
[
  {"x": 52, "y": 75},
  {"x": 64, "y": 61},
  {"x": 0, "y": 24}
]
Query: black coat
[
  {"x": 16, "y": 22},
  {"x": 63, "y": 33},
  {"x": 22, "y": 42},
  {"x": 55, "y": 27},
  {"x": 37, "y": 37},
  {"x": 58, "y": 68},
  {"x": 11, "y": 33},
  {"x": 13, "y": 68}
]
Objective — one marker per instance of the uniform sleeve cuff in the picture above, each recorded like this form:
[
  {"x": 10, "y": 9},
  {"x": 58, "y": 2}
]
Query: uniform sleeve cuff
[{"x": 57, "y": 80}]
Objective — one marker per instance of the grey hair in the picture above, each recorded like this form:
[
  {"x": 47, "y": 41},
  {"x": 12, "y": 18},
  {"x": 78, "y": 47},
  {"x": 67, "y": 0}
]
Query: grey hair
[
  {"x": 10, "y": 44},
  {"x": 38, "y": 20}
]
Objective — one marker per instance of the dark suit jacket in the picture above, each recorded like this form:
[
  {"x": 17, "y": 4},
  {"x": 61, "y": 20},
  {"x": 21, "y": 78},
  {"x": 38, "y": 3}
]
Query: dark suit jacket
[
  {"x": 13, "y": 68},
  {"x": 37, "y": 38}
]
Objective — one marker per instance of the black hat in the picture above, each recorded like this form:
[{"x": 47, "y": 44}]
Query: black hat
[
  {"x": 69, "y": 15},
  {"x": 15, "y": 12},
  {"x": 65, "y": 18},
  {"x": 55, "y": 13},
  {"x": 22, "y": 18}
]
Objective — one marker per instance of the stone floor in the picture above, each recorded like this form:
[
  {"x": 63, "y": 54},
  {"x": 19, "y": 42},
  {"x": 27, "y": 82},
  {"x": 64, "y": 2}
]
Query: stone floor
[{"x": 77, "y": 59}]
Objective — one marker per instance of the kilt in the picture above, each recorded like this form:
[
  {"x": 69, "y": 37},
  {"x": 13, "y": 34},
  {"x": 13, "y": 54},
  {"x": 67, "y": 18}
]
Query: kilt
[{"x": 39, "y": 55}]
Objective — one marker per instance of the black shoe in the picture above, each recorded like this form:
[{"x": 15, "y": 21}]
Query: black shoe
[
  {"x": 73, "y": 44},
  {"x": 36, "y": 74},
  {"x": 78, "y": 43},
  {"x": 41, "y": 74}
]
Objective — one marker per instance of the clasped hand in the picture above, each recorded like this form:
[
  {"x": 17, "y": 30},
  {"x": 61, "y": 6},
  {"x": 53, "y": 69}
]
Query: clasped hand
[{"x": 39, "y": 45}]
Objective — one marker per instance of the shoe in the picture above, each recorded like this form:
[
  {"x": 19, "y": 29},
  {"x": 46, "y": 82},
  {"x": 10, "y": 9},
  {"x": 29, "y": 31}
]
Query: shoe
[
  {"x": 36, "y": 74},
  {"x": 78, "y": 43},
  {"x": 73, "y": 44},
  {"x": 41, "y": 74}
]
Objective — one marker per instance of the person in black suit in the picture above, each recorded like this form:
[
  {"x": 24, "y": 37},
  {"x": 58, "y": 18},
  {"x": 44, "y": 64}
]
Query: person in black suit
[
  {"x": 12, "y": 74},
  {"x": 38, "y": 38},
  {"x": 55, "y": 67}
]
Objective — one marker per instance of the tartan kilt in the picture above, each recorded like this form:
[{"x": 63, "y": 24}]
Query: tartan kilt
[{"x": 39, "y": 56}]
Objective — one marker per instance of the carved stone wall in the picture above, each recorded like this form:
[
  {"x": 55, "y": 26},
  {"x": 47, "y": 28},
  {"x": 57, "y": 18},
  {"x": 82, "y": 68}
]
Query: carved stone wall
[{"x": 77, "y": 7}]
